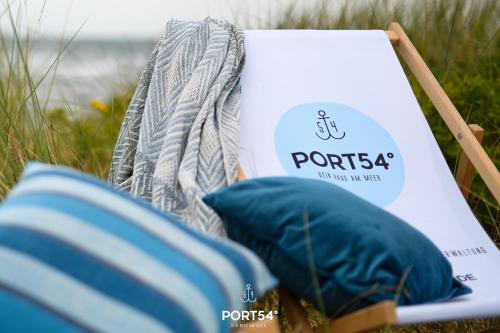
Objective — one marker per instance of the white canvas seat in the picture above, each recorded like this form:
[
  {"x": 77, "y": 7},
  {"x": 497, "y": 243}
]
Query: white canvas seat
[{"x": 337, "y": 106}]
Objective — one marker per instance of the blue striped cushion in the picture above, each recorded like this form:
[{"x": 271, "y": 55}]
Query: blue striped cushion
[{"x": 77, "y": 255}]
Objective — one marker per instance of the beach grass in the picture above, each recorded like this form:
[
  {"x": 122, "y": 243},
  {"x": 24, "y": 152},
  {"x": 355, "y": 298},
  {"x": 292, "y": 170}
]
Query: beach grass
[
  {"x": 458, "y": 39},
  {"x": 29, "y": 130}
]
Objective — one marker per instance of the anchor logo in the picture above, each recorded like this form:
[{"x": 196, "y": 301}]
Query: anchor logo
[
  {"x": 324, "y": 127},
  {"x": 248, "y": 295}
]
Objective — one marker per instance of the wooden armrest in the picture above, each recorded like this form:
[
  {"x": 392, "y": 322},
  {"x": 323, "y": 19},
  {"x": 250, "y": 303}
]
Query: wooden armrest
[{"x": 377, "y": 316}]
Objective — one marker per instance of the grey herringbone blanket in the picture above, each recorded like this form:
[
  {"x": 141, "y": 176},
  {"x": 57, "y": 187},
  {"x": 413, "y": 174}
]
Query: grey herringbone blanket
[{"x": 179, "y": 139}]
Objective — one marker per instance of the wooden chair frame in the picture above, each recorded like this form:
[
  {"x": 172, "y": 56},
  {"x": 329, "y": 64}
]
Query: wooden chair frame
[{"x": 473, "y": 157}]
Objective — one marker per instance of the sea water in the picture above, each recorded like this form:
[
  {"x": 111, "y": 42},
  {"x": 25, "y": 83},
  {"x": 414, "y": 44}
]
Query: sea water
[{"x": 87, "y": 69}]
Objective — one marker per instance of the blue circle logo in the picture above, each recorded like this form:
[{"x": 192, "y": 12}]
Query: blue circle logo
[{"x": 338, "y": 144}]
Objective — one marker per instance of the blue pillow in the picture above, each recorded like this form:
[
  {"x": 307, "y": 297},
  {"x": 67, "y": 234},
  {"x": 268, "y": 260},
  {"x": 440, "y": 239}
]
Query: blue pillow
[
  {"x": 77, "y": 255},
  {"x": 360, "y": 252}
]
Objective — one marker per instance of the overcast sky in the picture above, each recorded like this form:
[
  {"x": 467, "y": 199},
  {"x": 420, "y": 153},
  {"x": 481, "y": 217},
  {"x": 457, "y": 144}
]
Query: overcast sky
[{"x": 133, "y": 18}]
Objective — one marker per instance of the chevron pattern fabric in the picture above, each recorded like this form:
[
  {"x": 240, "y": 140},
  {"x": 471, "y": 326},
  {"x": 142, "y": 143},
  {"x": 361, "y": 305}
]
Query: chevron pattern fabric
[{"x": 179, "y": 139}]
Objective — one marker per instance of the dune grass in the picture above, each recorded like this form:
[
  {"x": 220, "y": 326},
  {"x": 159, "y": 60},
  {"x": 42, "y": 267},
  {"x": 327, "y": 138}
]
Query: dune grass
[
  {"x": 458, "y": 39},
  {"x": 30, "y": 131}
]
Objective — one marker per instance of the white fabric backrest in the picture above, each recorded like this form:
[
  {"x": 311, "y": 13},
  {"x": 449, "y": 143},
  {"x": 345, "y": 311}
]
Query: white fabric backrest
[{"x": 356, "y": 79}]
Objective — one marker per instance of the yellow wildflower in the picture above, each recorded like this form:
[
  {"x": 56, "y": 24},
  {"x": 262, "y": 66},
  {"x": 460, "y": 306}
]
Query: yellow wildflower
[{"x": 99, "y": 106}]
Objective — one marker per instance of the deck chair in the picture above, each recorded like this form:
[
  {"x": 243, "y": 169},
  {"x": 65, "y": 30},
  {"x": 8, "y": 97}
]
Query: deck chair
[{"x": 359, "y": 71}]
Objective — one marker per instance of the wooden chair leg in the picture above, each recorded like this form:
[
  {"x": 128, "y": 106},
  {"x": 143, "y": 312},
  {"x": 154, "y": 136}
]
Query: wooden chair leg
[
  {"x": 465, "y": 170},
  {"x": 452, "y": 118},
  {"x": 294, "y": 311},
  {"x": 371, "y": 318}
]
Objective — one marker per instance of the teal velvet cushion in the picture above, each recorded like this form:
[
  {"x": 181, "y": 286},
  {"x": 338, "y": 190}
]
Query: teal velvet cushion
[{"x": 359, "y": 252}]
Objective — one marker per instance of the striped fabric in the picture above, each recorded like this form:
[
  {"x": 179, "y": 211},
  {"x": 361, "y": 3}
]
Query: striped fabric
[
  {"x": 180, "y": 136},
  {"x": 78, "y": 256}
]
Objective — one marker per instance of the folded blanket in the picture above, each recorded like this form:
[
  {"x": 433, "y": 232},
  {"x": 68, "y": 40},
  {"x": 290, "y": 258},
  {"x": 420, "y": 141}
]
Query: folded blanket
[{"x": 179, "y": 139}]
